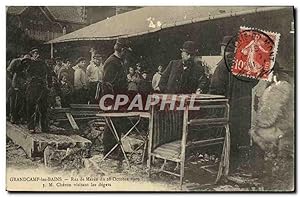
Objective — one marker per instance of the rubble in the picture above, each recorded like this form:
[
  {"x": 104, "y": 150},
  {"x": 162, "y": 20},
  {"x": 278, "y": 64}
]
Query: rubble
[
  {"x": 94, "y": 131},
  {"x": 69, "y": 159}
]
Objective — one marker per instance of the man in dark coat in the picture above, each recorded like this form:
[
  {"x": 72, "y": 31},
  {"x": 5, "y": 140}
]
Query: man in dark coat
[
  {"x": 36, "y": 93},
  {"x": 184, "y": 76},
  {"x": 17, "y": 69},
  {"x": 115, "y": 82},
  {"x": 114, "y": 73},
  {"x": 238, "y": 90}
]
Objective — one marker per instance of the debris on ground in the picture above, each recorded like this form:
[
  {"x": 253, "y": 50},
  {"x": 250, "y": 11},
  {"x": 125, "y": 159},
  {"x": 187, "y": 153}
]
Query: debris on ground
[{"x": 69, "y": 159}]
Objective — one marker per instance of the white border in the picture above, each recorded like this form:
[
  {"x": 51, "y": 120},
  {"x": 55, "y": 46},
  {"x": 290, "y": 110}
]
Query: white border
[{"x": 117, "y": 2}]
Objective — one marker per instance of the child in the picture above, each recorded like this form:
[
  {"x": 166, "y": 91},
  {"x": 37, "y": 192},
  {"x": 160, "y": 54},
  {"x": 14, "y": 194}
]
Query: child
[
  {"x": 132, "y": 80},
  {"x": 145, "y": 86},
  {"x": 66, "y": 90}
]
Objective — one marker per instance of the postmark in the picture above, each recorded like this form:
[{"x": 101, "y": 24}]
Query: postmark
[{"x": 255, "y": 53}]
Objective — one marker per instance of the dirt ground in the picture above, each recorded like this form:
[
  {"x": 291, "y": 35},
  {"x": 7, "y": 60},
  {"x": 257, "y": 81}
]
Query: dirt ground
[{"x": 196, "y": 179}]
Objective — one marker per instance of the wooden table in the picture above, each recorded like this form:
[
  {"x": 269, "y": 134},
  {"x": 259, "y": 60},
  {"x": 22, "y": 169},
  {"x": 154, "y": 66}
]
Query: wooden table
[{"x": 108, "y": 119}]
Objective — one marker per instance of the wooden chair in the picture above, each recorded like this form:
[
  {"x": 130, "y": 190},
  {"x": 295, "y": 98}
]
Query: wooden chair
[{"x": 168, "y": 135}]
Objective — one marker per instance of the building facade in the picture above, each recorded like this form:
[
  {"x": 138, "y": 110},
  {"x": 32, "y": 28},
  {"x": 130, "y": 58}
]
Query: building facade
[{"x": 44, "y": 23}]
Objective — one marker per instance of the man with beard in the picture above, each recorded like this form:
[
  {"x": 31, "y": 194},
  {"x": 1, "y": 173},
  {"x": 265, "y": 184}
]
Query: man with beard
[
  {"x": 36, "y": 92},
  {"x": 185, "y": 76}
]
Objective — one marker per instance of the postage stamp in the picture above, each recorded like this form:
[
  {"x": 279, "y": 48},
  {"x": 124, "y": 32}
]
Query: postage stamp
[{"x": 255, "y": 52}]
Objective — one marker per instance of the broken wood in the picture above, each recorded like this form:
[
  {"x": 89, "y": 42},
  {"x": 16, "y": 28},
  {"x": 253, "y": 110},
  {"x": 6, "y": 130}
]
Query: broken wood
[
  {"x": 72, "y": 121},
  {"x": 35, "y": 144}
]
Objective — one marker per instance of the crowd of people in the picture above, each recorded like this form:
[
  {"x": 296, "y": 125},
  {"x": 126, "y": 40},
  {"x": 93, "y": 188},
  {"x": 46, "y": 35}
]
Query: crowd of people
[{"x": 35, "y": 86}]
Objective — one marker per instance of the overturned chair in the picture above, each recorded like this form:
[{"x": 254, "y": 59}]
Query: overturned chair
[{"x": 172, "y": 133}]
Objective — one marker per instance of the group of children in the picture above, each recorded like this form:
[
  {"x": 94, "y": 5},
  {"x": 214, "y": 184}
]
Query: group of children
[{"x": 139, "y": 82}]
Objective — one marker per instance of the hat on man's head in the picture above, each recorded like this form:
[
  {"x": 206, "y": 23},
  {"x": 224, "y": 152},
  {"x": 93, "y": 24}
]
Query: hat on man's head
[
  {"x": 280, "y": 69},
  {"x": 67, "y": 60},
  {"x": 25, "y": 58},
  {"x": 145, "y": 72},
  {"x": 226, "y": 40},
  {"x": 58, "y": 59},
  {"x": 34, "y": 49},
  {"x": 189, "y": 47},
  {"x": 80, "y": 59},
  {"x": 97, "y": 56},
  {"x": 122, "y": 43}
]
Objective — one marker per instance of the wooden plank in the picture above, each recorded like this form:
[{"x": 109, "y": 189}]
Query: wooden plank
[
  {"x": 85, "y": 106},
  {"x": 120, "y": 114},
  {"x": 20, "y": 137},
  {"x": 210, "y": 121},
  {"x": 35, "y": 144},
  {"x": 183, "y": 145},
  {"x": 60, "y": 110},
  {"x": 84, "y": 113},
  {"x": 220, "y": 139},
  {"x": 72, "y": 121},
  {"x": 150, "y": 141}
]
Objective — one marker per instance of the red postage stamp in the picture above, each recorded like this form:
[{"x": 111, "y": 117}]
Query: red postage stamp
[{"x": 255, "y": 52}]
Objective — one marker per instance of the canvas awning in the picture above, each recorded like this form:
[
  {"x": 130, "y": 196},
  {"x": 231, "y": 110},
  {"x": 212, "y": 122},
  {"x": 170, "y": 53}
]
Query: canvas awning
[{"x": 151, "y": 19}]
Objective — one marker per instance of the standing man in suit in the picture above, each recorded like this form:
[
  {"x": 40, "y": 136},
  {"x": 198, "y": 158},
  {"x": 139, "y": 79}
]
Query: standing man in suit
[
  {"x": 239, "y": 92},
  {"x": 184, "y": 76},
  {"x": 115, "y": 82}
]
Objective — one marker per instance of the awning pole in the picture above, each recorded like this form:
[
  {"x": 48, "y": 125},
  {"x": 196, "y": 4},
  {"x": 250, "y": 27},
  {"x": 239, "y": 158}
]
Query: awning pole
[{"x": 52, "y": 50}]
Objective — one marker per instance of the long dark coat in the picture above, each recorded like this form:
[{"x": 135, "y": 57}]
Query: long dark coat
[
  {"x": 239, "y": 92},
  {"x": 177, "y": 80},
  {"x": 114, "y": 75}
]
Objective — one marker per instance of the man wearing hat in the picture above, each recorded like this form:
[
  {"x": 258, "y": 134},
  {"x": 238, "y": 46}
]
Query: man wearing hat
[
  {"x": 239, "y": 92},
  {"x": 114, "y": 71},
  {"x": 115, "y": 82},
  {"x": 17, "y": 69},
  {"x": 184, "y": 76},
  {"x": 36, "y": 92},
  {"x": 219, "y": 84},
  {"x": 94, "y": 74}
]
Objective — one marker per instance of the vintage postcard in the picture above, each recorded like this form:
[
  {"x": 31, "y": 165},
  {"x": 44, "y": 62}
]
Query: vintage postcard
[{"x": 155, "y": 99}]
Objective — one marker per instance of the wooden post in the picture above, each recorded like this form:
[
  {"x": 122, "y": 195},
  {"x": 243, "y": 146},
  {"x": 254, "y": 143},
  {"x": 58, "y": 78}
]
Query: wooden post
[
  {"x": 93, "y": 52},
  {"x": 150, "y": 140},
  {"x": 183, "y": 143},
  {"x": 52, "y": 50}
]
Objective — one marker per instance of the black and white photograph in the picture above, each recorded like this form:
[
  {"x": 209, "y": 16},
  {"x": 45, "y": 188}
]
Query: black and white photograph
[{"x": 150, "y": 98}]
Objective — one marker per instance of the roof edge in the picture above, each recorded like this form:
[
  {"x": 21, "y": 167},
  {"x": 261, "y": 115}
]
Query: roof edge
[{"x": 176, "y": 23}]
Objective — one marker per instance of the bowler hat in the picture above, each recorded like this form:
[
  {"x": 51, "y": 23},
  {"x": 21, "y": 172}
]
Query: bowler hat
[
  {"x": 226, "y": 40},
  {"x": 189, "y": 47}
]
